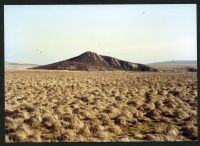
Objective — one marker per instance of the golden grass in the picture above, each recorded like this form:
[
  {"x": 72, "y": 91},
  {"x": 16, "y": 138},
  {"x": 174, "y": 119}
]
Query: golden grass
[{"x": 62, "y": 106}]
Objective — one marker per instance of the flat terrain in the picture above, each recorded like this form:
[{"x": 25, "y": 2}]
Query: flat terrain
[{"x": 53, "y": 106}]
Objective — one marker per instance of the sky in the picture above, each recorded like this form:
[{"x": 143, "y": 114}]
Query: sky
[{"x": 43, "y": 34}]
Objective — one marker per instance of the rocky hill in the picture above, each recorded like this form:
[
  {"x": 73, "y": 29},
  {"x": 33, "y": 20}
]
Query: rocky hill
[{"x": 90, "y": 61}]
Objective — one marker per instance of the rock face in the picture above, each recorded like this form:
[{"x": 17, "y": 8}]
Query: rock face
[{"x": 90, "y": 61}]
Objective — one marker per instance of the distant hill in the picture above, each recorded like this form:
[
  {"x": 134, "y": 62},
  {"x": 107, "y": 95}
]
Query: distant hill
[
  {"x": 18, "y": 66},
  {"x": 90, "y": 61},
  {"x": 180, "y": 65},
  {"x": 177, "y": 62}
]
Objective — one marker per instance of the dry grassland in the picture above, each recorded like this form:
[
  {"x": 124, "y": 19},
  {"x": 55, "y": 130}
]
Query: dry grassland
[{"x": 61, "y": 106}]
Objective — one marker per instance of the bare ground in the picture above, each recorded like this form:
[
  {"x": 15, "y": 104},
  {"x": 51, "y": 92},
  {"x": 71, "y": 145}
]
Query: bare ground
[{"x": 57, "y": 106}]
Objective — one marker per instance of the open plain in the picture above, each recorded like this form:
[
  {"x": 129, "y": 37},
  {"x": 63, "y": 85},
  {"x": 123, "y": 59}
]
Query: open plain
[{"x": 64, "y": 106}]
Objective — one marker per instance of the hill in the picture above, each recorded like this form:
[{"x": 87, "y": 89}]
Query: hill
[{"x": 90, "y": 61}]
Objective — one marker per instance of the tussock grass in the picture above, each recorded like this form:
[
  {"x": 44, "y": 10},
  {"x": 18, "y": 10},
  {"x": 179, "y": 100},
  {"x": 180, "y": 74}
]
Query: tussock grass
[{"x": 62, "y": 106}]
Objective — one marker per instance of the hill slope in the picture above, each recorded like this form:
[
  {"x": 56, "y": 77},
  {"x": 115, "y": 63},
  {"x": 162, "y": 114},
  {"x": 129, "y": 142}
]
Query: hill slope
[{"x": 92, "y": 61}]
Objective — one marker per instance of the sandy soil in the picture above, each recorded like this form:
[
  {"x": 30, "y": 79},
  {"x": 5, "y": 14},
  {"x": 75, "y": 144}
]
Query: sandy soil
[{"x": 57, "y": 106}]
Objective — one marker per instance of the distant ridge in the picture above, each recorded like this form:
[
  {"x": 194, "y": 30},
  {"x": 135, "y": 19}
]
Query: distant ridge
[
  {"x": 177, "y": 66},
  {"x": 90, "y": 61},
  {"x": 18, "y": 66},
  {"x": 177, "y": 62},
  {"x": 14, "y": 63}
]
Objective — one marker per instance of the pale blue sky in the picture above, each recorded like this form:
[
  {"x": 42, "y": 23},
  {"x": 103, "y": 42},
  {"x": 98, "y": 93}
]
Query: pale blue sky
[{"x": 137, "y": 33}]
